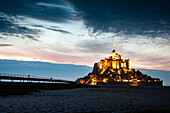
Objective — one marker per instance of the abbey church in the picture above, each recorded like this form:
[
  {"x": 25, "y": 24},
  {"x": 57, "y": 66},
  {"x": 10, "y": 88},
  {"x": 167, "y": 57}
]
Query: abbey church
[{"x": 115, "y": 70}]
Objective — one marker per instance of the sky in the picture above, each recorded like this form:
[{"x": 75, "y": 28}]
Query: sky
[{"x": 81, "y": 32}]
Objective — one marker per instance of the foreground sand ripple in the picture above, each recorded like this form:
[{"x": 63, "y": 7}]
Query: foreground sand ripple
[{"x": 88, "y": 100}]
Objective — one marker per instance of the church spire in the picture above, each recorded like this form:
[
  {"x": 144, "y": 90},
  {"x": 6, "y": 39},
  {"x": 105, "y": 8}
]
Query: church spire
[{"x": 113, "y": 46}]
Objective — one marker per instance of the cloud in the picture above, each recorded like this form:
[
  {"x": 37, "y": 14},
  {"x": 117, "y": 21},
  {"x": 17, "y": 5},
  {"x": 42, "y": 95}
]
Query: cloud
[
  {"x": 94, "y": 46},
  {"x": 119, "y": 17},
  {"x": 8, "y": 27},
  {"x": 5, "y": 45},
  {"x": 52, "y": 10},
  {"x": 53, "y": 28},
  {"x": 59, "y": 30},
  {"x": 145, "y": 53},
  {"x": 151, "y": 18},
  {"x": 13, "y": 12}
]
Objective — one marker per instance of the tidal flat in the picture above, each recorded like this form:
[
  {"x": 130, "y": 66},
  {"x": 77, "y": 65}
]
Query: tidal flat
[{"x": 93, "y": 100}]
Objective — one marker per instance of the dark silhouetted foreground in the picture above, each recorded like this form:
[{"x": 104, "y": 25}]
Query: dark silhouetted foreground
[
  {"x": 107, "y": 100},
  {"x": 8, "y": 88}
]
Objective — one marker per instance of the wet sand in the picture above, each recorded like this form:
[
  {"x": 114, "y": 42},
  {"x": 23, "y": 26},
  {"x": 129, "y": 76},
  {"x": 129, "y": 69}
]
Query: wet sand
[{"x": 107, "y": 100}]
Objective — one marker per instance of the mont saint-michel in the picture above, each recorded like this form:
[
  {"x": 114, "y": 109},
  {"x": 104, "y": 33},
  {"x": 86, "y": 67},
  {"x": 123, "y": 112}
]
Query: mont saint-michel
[{"x": 116, "y": 70}]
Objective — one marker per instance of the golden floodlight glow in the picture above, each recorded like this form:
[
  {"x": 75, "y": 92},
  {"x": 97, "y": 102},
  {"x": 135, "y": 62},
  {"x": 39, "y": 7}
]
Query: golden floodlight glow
[
  {"x": 116, "y": 70},
  {"x": 131, "y": 80},
  {"x": 125, "y": 80},
  {"x": 105, "y": 80},
  {"x": 134, "y": 84},
  {"x": 138, "y": 80}
]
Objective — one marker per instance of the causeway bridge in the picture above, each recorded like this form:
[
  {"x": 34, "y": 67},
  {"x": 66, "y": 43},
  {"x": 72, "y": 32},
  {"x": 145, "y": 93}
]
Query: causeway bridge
[{"x": 5, "y": 77}]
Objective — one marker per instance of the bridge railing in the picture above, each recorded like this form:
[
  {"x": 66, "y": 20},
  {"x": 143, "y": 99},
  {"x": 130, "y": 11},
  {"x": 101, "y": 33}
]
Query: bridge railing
[
  {"x": 27, "y": 78},
  {"x": 14, "y": 75}
]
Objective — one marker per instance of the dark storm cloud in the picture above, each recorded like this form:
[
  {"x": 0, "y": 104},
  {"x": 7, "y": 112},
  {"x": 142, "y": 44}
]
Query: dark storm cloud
[
  {"x": 59, "y": 30},
  {"x": 5, "y": 45},
  {"x": 141, "y": 17},
  {"x": 49, "y": 10},
  {"x": 9, "y": 28},
  {"x": 53, "y": 28},
  {"x": 52, "y": 10},
  {"x": 144, "y": 17}
]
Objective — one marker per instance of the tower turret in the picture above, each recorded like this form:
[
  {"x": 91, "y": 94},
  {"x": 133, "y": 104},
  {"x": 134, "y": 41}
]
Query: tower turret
[{"x": 113, "y": 46}]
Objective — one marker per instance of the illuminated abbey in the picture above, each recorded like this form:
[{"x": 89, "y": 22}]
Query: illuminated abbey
[{"x": 115, "y": 70}]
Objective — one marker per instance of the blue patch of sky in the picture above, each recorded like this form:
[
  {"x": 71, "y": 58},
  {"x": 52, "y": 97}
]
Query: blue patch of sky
[{"x": 63, "y": 71}]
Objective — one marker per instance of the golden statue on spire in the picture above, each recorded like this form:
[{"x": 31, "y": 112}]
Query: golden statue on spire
[
  {"x": 113, "y": 46},
  {"x": 113, "y": 51}
]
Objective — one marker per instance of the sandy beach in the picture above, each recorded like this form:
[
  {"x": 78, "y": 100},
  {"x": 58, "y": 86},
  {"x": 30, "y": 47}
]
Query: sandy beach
[{"x": 108, "y": 100}]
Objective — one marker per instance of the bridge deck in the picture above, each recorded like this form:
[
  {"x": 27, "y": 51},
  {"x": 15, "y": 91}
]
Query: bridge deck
[{"x": 26, "y": 78}]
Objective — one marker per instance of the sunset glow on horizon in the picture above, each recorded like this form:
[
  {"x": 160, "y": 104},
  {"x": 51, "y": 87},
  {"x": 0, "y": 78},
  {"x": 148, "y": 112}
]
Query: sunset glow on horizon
[{"x": 69, "y": 34}]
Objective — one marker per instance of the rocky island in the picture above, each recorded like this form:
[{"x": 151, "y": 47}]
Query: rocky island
[{"x": 117, "y": 71}]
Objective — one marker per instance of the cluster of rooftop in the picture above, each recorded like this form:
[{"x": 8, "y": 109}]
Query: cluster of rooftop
[{"x": 115, "y": 70}]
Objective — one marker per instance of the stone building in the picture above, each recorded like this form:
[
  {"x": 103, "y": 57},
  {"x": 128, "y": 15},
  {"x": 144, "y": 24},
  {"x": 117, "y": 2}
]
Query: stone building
[{"x": 115, "y": 70}]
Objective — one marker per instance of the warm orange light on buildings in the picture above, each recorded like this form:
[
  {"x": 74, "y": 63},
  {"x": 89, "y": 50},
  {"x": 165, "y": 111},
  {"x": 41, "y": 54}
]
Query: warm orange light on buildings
[
  {"x": 115, "y": 69},
  {"x": 125, "y": 80},
  {"x": 119, "y": 72},
  {"x": 138, "y": 80},
  {"x": 149, "y": 80},
  {"x": 82, "y": 81},
  {"x": 93, "y": 82},
  {"x": 134, "y": 84},
  {"x": 105, "y": 80},
  {"x": 122, "y": 64}
]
